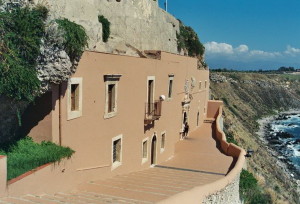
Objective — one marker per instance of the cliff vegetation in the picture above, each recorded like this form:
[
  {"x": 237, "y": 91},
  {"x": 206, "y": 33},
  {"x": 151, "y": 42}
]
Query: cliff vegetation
[
  {"x": 35, "y": 51},
  {"x": 248, "y": 97}
]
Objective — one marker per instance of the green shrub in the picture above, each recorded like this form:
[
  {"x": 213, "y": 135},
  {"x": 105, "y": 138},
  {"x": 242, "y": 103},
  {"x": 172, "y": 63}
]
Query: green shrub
[
  {"x": 230, "y": 138},
  {"x": 75, "y": 36},
  {"x": 188, "y": 39},
  {"x": 250, "y": 192},
  {"x": 21, "y": 31},
  {"x": 105, "y": 27},
  {"x": 26, "y": 155}
]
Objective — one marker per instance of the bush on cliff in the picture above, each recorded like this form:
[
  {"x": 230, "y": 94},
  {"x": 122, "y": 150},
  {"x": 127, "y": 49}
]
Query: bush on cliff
[
  {"x": 105, "y": 27},
  {"x": 21, "y": 31},
  {"x": 187, "y": 39},
  {"x": 76, "y": 38}
]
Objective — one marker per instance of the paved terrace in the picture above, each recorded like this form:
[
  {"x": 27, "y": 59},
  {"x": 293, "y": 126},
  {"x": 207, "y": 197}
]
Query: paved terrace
[{"x": 197, "y": 161}]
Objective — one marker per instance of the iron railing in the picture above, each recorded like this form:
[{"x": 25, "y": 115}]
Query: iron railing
[{"x": 153, "y": 110}]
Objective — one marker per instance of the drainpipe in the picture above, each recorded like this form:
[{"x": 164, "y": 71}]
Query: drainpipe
[{"x": 60, "y": 105}]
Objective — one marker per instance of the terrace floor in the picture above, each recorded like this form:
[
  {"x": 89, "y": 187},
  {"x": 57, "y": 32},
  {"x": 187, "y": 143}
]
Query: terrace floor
[{"x": 197, "y": 161}]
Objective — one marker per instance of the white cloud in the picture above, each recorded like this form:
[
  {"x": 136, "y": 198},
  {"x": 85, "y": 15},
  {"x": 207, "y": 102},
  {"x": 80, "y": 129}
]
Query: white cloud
[
  {"x": 240, "y": 51},
  {"x": 292, "y": 51},
  {"x": 224, "y": 54},
  {"x": 242, "y": 48},
  {"x": 214, "y": 47}
]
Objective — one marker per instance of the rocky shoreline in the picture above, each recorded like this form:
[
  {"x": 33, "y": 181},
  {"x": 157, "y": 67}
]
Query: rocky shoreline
[{"x": 273, "y": 140}]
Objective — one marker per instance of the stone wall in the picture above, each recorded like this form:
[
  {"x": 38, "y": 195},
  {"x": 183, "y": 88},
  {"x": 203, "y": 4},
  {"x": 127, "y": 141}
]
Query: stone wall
[
  {"x": 134, "y": 23},
  {"x": 230, "y": 194}
]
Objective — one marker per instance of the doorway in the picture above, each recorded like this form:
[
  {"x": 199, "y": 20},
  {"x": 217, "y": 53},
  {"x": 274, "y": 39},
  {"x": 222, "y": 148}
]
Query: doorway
[{"x": 153, "y": 150}]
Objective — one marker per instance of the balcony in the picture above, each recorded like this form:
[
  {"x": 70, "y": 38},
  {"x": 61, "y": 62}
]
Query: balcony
[{"x": 153, "y": 111}]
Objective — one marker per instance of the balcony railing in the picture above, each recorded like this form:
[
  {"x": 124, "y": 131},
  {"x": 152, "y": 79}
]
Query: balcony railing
[{"x": 153, "y": 111}]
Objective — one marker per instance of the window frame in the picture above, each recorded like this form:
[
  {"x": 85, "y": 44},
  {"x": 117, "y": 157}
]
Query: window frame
[
  {"x": 73, "y": 114},
  {"x": 145, "y": 159},
  {"x": 150, "y": 78},
  {"x": 162, "y": 149},
  {"x": 116, "y": 164},
  {"x": 112, "y": 79},
  {"x": 170, "y": 88}
]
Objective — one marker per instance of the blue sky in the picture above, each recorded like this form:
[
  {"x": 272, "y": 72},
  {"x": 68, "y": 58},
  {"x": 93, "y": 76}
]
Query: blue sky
[{"x": 244, "y": 34}]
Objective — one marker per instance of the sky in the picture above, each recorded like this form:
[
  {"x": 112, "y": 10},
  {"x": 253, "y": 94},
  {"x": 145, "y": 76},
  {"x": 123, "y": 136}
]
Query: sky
[{"x": 244, "y": 34}]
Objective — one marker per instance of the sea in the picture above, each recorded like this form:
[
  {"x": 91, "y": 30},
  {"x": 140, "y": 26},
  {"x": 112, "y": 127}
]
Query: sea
[{"x": 286, "y": 129}]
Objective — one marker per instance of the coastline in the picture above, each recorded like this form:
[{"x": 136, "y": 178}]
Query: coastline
[{"x": 281, "y": 160}]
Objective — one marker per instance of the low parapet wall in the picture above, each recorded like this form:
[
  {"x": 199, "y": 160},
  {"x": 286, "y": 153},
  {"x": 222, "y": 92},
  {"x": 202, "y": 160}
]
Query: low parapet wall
[
  {"x": 3, "y": 174},
  {"x": 219, "y": 189}
]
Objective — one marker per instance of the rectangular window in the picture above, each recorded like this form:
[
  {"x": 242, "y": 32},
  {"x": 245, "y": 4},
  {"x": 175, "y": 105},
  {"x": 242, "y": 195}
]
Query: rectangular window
[
  {"x": 170, "y": 90},
  {"x": 205, "y": 84},
  {"x": 117, "y": 151},
  {"x": 74, "y": 99},
  {"x": 145, "y": 149},
  {"x": 111, "y": 98},
  {"x": 150, "y": 94},
  {"x": 163, "y": 140},
  {"x": 111, "y": 90},
  {"x": 200, "y": 85},
  {"x": 150, "y": 91}
]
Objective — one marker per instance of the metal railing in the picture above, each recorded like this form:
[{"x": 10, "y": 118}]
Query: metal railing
[{"x": 153, "y": 110}]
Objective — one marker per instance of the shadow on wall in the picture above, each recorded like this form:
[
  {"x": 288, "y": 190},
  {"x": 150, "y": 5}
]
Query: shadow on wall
[{"x": 39, "y": 113}]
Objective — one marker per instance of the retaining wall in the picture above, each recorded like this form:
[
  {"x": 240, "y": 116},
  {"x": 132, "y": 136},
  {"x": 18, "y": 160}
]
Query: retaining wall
[{"x": 226, "y": 189}]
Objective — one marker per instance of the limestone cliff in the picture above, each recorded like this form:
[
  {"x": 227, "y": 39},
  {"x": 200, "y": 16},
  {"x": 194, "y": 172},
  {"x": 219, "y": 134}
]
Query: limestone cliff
[
  {"x": 138, "y": 23},
  {"x": 248, "y": 97}
]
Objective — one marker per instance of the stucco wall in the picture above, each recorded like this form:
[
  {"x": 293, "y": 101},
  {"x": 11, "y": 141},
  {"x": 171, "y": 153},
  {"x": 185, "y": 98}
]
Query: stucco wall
[
  {"x": 230, "y": 194},
  {"x": 91, "y": 134},
  {"x": 140, "y": 23},
  {"x": 3, "y": 174}
]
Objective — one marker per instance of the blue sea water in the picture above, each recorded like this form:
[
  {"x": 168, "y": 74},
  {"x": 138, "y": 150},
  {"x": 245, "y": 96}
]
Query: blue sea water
[{"x": 291, "y": 125}]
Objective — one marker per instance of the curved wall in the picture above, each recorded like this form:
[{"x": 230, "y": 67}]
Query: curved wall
[{"x": 218, "y": 189}]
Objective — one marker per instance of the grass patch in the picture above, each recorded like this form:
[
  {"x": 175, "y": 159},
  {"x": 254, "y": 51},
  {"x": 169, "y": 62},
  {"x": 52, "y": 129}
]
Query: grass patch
[
  {"x": 26, "y": 155},
  {"x": 250, "y": 191}
]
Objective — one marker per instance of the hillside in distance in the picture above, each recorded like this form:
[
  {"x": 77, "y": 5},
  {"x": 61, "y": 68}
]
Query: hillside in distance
[{"x": 248, "y": 97}]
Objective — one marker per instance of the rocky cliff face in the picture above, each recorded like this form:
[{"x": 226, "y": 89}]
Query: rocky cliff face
[
  {"x": 248, "y": 97},
  {"x": 134, "y": 23}
]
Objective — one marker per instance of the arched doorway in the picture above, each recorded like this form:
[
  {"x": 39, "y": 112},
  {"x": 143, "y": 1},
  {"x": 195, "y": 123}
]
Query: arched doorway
[{"x": 153, "y": 151}]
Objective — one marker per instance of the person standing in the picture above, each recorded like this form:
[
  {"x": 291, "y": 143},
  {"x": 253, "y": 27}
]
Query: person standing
[{"x": 186, "y": 129}]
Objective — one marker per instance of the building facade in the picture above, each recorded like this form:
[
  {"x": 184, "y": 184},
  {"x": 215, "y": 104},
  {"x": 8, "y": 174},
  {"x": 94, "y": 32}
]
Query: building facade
[{"x": 121, "y": 113}]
